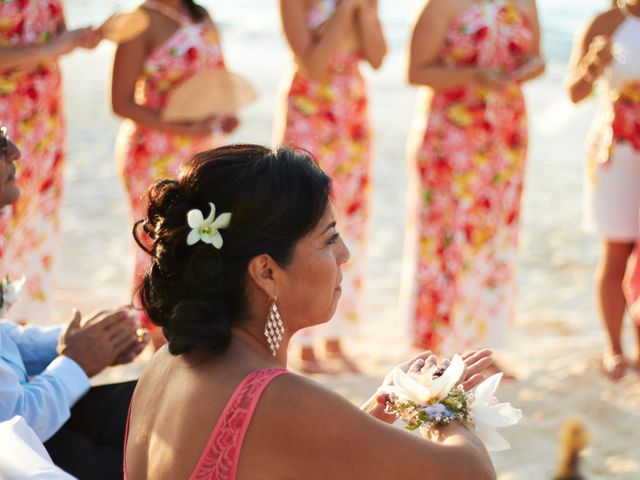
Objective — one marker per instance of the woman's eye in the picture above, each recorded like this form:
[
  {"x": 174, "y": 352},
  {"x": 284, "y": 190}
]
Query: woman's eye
[{"x": 334, "y": 238}]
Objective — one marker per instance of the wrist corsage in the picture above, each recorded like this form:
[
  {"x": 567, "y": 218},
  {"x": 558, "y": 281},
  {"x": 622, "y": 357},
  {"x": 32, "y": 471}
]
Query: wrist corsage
[
  {"x": 432, "y": 397},
  {"x": 9, "y": 291}
]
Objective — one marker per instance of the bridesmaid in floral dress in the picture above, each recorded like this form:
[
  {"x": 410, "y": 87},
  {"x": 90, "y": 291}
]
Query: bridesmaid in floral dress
[
  {"x": 325, "y": 111},
  {"x": 32, "y": 37},
  {"x": 608, "y": 50},
  {"x": 180, "y": 41},
  {"x": 467, "y": 152}
]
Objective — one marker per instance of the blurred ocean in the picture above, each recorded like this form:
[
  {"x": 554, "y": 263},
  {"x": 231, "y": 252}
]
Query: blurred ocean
[{"x": 557, "y": 257}]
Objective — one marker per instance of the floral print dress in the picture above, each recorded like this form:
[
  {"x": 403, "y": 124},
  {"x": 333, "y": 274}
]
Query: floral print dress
[
  {"x": 467, "y": 155},
  {"x": 31, "y": 109},
  {"x": 144, "y": 154},
  {"x": 330, "y": 119}
]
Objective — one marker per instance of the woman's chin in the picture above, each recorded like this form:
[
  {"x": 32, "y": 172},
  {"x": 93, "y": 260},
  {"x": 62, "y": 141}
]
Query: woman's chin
[{"x": 10, "y": 195}]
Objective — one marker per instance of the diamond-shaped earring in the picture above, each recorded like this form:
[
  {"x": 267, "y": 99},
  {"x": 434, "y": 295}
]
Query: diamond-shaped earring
[{"x": 274, "y": 329}]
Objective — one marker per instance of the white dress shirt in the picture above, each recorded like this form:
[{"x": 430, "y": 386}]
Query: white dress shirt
[{"x": 35, "y": 382}]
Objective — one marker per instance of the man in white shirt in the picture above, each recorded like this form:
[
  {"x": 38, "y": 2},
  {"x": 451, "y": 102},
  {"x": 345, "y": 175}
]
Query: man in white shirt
[{"x": 44, "y": 373}]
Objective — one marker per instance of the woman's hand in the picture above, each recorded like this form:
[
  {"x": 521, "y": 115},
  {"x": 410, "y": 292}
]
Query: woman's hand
[
  {"x": 597, "y": 58},
  {"x": 71, "y": 39},
  {"x": 201, "y": 127},
  {"x": 475, "y": 362},
  {"x": 491, "y": 79},
  {"x": 229, "y": 123}
]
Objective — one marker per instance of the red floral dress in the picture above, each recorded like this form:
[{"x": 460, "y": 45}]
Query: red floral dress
[
  {"x": 330, "y": 119},
  {"x": 468, "y": 158},
  {"x": 144, "y": 154},
  {"x": 31, "y": 109}
]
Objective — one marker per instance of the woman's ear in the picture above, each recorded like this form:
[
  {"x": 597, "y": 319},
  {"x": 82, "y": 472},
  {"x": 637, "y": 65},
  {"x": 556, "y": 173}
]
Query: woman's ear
[{"x": 262, "y": 270}]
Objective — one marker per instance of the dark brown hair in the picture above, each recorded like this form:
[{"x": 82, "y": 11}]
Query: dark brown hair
[{"x": 197, "y": 292}]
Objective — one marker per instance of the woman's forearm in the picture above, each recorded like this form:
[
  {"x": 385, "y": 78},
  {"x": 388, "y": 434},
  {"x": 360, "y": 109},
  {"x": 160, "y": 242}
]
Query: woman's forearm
[
  {"x": 579, "y": 83},
  {"x": 442, "y": 78},
  {"x": 463, "y": 449},
  {"x": 141, "y": 115},
  {"x": 26, "y": 55},
  {"x": 372, "y": 41}
]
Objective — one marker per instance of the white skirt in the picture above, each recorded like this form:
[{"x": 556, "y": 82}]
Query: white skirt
[{"x": 612, "y": 199}]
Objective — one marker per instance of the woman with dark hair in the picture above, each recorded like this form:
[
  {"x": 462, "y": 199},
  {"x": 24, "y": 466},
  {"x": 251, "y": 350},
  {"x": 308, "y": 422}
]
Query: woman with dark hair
[
  {"x": 180, "y": 41},
  {"x": 608, "y": 52},
  {"x": 245, "y": 253},
  {"x": 33, "y": 37}
]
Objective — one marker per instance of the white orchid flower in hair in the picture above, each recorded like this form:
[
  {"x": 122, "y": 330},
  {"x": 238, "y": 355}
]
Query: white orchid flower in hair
[{"x": 207, "y": 229}]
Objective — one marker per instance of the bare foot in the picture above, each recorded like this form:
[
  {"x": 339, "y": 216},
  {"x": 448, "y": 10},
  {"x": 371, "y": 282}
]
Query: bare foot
[
  {"x": 345, "y": 364},
  {"x": 335, "y": 354},
  {"x": 308, "y": 363},
  {"x": 614, "y": 366}
]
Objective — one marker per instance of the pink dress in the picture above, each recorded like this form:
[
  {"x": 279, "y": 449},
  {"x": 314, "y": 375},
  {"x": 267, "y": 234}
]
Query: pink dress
[
  {"x": 143, "y": 154},
  {"x": 468, "y": 157},
  {"x": 31, "y": 109},
  {"x": 330, "y": 119},
  {"x": 219, "y": 460}
]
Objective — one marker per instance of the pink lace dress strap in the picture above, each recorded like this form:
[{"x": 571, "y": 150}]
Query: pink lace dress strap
[{"x": 219, "y": 461}]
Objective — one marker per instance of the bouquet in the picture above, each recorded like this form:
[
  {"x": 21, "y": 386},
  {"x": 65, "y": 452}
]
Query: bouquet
[
  {"x": 433, "y": 397},
  {"x": 9, "y": 294}
]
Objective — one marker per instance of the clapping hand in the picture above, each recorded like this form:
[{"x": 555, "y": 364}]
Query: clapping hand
[{"x": 106, "y": 338}]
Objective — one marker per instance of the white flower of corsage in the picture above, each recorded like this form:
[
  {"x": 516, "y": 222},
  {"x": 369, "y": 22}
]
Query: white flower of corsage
[
  {"x": 488, "y": 415},
  {"x": 433, "y": 397},
  {"x": 9, "y": 293},
  {"x": 207, "y": 229},
  {"x": 422, "y": 388}
]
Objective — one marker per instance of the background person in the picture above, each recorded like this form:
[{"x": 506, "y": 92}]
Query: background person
[
  {"x": 609, "y": 50},
  {"x": 32, "y": 38},
  {"x": 180, "y": 41},
  {"x": 468, "y": 154},
  {"x": 325, "y": 111},
  {"x": 44, "y": 373}
]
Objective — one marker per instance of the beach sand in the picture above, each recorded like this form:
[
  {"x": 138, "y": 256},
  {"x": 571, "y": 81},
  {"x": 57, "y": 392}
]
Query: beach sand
[{"x": 556, "y": 334}]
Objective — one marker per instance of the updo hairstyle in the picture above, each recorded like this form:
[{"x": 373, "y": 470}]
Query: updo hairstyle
[{"x": 197, "y": 292}]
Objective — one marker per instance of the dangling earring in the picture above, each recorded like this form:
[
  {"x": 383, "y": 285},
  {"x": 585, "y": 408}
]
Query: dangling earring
[{"x": 274, "y": 328}]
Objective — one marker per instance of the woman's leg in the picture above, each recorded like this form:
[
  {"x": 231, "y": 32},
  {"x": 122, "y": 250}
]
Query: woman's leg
[{"x": 611, "y": 301}]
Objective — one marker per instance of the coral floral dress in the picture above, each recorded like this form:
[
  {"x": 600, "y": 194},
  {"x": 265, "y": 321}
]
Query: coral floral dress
[
  {"x": 468, "y": 157},
  {"x": 31, "y": 109},
  {"x": 330, "y": 119},
  {"x": 144, "y": 154}
]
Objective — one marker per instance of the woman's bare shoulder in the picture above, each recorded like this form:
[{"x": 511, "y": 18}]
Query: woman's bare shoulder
[{"x": 604, "y": 23}]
